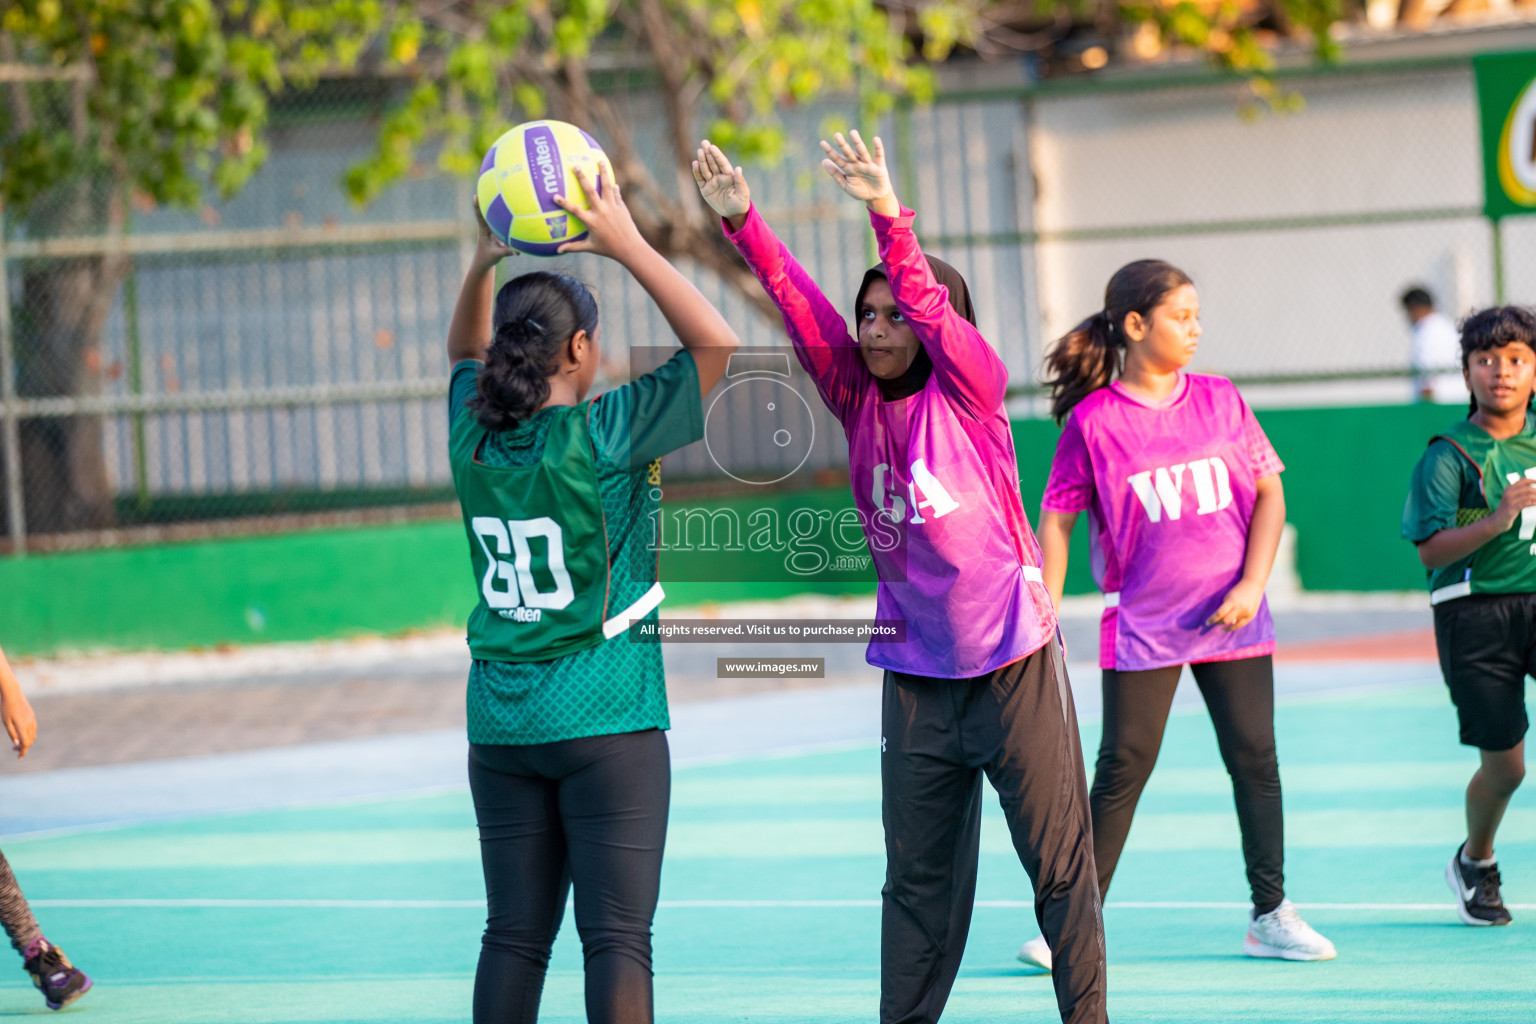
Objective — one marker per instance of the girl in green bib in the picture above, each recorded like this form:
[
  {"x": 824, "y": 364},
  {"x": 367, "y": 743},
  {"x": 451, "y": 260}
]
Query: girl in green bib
[
  {"x": 1472, "y": 514},
  {"x": 568, "y": 762}
]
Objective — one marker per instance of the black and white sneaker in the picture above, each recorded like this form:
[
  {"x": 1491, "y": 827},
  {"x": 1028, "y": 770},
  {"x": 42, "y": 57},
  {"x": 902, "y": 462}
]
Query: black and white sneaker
[{"x": 1478, "y": 899}]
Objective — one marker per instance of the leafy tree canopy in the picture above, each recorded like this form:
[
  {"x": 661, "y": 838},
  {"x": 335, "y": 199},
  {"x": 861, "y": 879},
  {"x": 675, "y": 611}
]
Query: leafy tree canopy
[{"x": 170, "y": 96}]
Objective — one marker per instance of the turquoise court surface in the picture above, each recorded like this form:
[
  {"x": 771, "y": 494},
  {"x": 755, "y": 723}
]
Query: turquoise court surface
[{"x": 371, "y": 911}]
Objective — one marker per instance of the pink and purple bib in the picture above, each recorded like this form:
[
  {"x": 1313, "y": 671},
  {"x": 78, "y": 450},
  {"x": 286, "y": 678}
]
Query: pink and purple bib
[
  {"x": 933, "y": 474},
  {"x": 1169, "y": 488}
]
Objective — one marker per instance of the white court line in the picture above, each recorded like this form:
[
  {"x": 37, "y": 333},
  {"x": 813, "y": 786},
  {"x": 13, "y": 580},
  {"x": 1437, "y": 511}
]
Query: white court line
[{"x": 322, "y": 904}]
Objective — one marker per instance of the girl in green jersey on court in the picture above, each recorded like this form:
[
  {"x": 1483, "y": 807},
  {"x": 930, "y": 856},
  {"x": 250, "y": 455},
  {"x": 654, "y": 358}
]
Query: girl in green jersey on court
[
  {"x": 1471, "y": 511},
  {"x": 568, "y": 763}
]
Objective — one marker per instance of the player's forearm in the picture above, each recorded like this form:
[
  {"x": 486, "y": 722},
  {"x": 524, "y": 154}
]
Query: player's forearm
[
  {"x": 1447, "y": 547},
  {"x": 469, "y": 332},
  {"x": 1264, "y": 531},
  {"x": 810, "y": 320},
  {"x": 958, "y": 350},
  {"x": 10, "y": 687},
  {"x": 1055, "y": 542},
  {"x": 886, "y": 205}
]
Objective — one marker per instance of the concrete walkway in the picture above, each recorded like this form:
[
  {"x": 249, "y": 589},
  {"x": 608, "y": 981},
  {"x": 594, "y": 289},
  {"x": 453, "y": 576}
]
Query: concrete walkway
[{"x": 135, "y": 737}]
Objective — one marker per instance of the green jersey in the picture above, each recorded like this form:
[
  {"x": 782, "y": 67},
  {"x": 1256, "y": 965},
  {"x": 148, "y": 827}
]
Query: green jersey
[
  {"x": 544, "y": 579},
  {"x": 1458, "y": 481},
  {"x": 594, "y": 471}
]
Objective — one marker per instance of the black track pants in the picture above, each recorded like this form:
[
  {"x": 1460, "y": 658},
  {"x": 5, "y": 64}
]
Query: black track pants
[
  {"x": 586, "y": 812},
  {"x": 1017, "y": 725},
  {"x": 1240, "y": 696}
]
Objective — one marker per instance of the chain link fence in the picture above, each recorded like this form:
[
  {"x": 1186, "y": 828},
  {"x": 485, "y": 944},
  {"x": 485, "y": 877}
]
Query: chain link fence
[
  {"x": 276, "y": 360},
  {"x": 1300, "y": 230}
]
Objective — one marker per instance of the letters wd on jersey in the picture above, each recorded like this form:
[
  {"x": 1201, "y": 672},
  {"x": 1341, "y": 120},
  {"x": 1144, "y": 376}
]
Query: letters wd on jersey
[{"x": 1161, "y": 490}]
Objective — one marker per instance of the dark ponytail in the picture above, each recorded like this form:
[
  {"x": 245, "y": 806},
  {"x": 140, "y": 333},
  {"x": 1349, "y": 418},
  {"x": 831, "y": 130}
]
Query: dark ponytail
[
  {"x": 1092, "y": 354},
  {"x": 535, "y": 315},
  {"x": 1494, "y": 328}
]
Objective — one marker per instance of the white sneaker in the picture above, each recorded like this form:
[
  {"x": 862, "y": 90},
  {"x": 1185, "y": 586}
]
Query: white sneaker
[
  {"x": 1283, "y": 935},
  {"x": 1036, "y": 953}
]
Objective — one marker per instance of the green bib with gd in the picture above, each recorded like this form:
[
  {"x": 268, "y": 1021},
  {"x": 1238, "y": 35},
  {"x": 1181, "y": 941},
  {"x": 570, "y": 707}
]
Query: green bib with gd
[
  {"x": 538, "y": 543},
  {"x": 1506, "y": 564}
]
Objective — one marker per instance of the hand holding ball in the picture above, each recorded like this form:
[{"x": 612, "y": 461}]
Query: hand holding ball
[{"x": 521, "y": 176}]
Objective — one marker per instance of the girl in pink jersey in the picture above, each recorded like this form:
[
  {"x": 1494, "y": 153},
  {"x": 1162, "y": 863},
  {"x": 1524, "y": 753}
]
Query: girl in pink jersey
[
  {"x": 1185, "y": 509},
  {"x": 979, "y": 687}
]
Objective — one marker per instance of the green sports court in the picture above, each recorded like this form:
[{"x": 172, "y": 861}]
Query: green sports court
[{"x": 370, "y": 910}]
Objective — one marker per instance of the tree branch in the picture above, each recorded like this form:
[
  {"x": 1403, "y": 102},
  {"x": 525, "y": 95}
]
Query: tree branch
[{"x": 673, "y": 66}]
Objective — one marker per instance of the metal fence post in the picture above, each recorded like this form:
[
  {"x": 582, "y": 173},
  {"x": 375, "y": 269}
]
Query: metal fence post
[
  {"x": 1497, "y": 224},
  {"x": 14, "y": 506},
  {"x": 1022, "y": 158}
]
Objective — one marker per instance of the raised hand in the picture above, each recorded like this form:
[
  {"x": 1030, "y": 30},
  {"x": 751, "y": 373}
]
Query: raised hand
[
  {"x": 489, "y": 250},
  {"x": 611, "y": 230},
  {"x": 860, "y": 173},
  {"x": 723, "y": 187}
]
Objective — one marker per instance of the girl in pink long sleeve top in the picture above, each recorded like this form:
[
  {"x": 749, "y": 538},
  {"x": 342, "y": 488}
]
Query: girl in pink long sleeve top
[{"x": 979, "y": 687}]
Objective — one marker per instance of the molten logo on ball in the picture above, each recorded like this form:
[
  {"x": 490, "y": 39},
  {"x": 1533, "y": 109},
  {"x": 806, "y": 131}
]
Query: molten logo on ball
[
  {"x": 521, "y": 176},
  {"x": 541, "y": 154}
]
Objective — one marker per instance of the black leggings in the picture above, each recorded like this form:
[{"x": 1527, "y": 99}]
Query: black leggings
[
  {"x": 1240, "y": 696},
  {"x": 588, "y": 812}
]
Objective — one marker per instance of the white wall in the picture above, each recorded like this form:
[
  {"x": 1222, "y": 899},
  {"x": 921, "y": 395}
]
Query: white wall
[{"x": 1276, "y": 299}]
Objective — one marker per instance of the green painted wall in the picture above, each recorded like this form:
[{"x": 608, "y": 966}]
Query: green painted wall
[
  {"x": 305, "y": 586},
  {"x": 286, "y": 587},
  {"x": 1346, "y": 478},
  {"x": 1346, "y": 474}
]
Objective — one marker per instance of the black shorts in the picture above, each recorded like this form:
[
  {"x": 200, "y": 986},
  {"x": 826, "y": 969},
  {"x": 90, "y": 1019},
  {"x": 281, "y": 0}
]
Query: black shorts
[{"x": 1487, "y": 644}]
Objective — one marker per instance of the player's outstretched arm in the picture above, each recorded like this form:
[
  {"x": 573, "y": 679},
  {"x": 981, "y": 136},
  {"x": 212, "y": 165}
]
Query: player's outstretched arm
[
  {"x": 469, "y": 332},
  {"x": 611, "y": 232},
  {"x": 818, "y": 332},
  {"x": 966, "y": 365},
  {"x": 15, "y": 712}
]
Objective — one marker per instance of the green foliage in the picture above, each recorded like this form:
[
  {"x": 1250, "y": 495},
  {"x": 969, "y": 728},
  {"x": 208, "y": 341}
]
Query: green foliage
[
  {"x": 170, "y": 94},
  {"x": 1318, "y": 17},
  {"x": 744, "y": 60},
  {"x": 164, "y": 97},
  {"x": 1225, "y": 31}
]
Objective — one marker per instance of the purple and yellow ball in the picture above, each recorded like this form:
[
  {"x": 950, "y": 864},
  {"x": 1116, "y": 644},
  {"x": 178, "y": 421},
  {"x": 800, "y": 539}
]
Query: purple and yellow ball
[{"x": 520, "y": 177}]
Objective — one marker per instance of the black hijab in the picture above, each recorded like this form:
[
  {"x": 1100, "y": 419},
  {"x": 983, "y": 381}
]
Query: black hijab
[{"x": 915, "y": 376}]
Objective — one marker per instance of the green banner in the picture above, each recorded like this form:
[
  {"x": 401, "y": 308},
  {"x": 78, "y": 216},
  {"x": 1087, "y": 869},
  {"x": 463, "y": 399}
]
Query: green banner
[{"x": 1506, "y": 94}]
